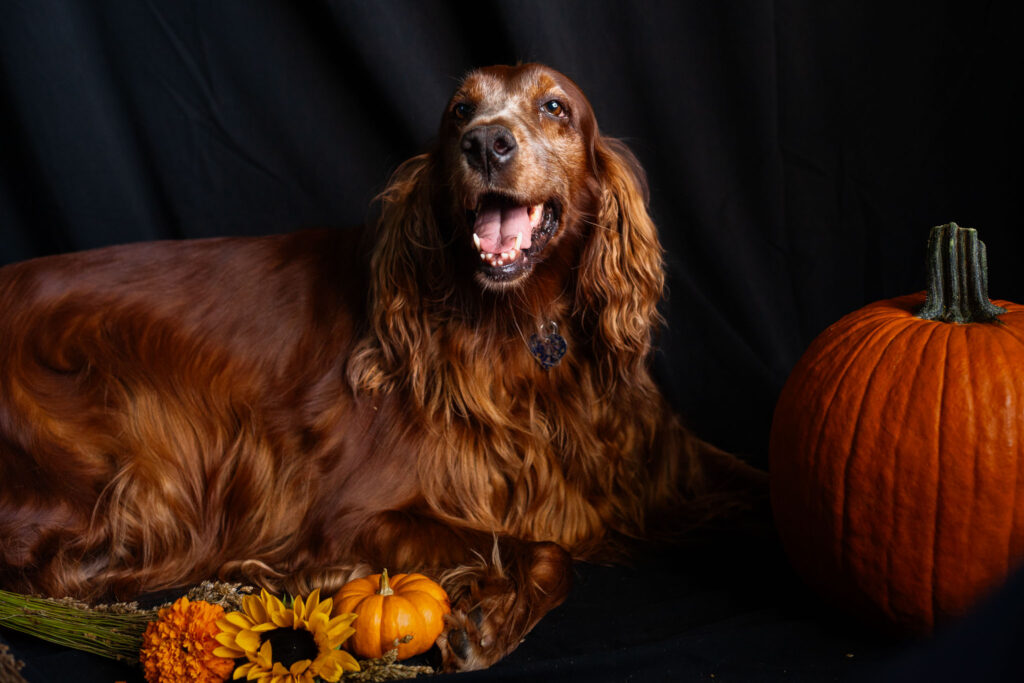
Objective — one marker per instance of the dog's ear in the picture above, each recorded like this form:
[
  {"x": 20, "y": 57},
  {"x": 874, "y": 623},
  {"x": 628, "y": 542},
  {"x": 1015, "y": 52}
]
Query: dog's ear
[
  {"x": 622, "y": 273},
  {"x": 408, "y": 260}
]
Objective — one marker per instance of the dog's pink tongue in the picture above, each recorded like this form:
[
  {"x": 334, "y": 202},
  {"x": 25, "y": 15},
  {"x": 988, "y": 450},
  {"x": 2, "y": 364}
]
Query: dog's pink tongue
[{"x": 497, "y": 227}]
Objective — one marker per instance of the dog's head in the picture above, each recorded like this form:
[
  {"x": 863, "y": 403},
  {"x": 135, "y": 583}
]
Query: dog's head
[
  {"x": 523, "y": 197},
  {"x": 516, "y": 149}
]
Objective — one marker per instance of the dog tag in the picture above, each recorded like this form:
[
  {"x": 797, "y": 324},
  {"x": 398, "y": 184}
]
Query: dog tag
[{"x": 548, "y": 346}]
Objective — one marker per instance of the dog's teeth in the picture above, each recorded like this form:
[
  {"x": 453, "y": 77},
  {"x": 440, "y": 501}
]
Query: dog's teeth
[
  {"x": 483, "y": 256},
  {"x": 476, "y": 241},
  {"x": 535, "y": 214},
  {"x": 519, "y": 241}
]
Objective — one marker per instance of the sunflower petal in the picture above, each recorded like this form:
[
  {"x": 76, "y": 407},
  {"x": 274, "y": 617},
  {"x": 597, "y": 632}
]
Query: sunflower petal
[
  {"x": 272, "y": 601},
  {"x": 316, "y": 622},
  {"x": 248, "y": 640},
  {"x": 254, "y": 607},
  {"x": 324, "y": 607},
  {"x": 237, "y": 620},
  {"x": 328, "y": 668},
  {"x": 299, "y": 610},
  {"x": 345, "y": 617},
  {"x": 337, "y": 632},
  {"x": 227, "y": 652},
  {"x": 348, "y": 662},
  {"x": 346, "y": 634},
  {"x": 340, "y": 624},
  {"x": 278, "y": 613},
  {"x": 264, "y": 627},
  {"x": 265, "y": 657},
  {"x": 225, "y": 639}
]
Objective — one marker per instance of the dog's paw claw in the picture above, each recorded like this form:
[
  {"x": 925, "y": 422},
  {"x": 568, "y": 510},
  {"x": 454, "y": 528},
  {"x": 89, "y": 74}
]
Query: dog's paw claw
[{"x": 459, "y": 644}]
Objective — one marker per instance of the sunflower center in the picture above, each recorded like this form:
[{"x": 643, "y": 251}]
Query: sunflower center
[{"x": 290, "y": 645}]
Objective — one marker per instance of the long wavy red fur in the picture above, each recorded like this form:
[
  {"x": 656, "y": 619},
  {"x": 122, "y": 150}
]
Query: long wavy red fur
[{"x": 175, "y": 411}]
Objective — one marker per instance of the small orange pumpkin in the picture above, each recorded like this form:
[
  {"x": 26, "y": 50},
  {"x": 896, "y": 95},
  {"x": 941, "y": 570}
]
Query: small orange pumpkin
[
  {"x": 897, "y": 448},
  {"x": 407, "y": 608}
]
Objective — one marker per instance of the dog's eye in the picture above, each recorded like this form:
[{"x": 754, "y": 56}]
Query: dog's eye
[
  {"x": 555, "y": 108},
  {"x": 462, "y": 110}
]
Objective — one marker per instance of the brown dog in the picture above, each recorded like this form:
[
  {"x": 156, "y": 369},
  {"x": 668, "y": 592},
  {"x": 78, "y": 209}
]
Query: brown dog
[{"x": 175, "y": 411}]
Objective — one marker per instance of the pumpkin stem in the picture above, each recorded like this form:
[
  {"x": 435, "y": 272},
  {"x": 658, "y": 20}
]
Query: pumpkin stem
[
  {"x": 957, "y": 277},
  {"x": 385, "y": 587}
]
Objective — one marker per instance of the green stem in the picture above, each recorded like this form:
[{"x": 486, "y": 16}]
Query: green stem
[
  {"x": 116, "y": 635},
  {"x": 957, "y": 289}
]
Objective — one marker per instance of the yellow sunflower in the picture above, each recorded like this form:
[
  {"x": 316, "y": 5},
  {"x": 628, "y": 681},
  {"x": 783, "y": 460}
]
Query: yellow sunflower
[
  {"x": 179, "y": 646},
  {"x": 284, "y": 644}
]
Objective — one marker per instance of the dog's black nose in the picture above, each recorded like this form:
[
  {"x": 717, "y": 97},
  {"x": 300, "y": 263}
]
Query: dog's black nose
[{"x": 488, "y": 148}]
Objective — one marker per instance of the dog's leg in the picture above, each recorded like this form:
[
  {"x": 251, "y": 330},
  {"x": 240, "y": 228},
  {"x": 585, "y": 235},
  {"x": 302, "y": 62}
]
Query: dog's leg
[{"x": 500, "y": 587}]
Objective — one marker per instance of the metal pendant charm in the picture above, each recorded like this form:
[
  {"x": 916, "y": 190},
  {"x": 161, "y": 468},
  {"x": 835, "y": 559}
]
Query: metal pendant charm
[{"x": 548, "y": 346}]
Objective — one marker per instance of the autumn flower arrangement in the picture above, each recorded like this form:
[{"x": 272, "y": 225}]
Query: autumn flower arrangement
[{"x": 215, "y": 633}]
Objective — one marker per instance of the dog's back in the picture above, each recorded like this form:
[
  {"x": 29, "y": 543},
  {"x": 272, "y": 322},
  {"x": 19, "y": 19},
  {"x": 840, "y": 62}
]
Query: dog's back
[{"x": 148, "y": 400}]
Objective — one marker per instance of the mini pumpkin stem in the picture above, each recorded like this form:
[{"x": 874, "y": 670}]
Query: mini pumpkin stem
[
  {"x": 957, "y": 277},
  {"x": 385, "y": 586}
]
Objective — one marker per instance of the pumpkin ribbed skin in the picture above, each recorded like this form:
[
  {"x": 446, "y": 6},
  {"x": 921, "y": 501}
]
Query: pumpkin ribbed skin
[
  {"x": 896, "y": 461},
  {"x": 410, "y": 610}
]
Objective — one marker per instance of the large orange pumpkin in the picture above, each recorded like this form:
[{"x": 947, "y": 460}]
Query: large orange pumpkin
[
  {"x": 897, "y": 448},
  {"x": 406, "y": 610}
]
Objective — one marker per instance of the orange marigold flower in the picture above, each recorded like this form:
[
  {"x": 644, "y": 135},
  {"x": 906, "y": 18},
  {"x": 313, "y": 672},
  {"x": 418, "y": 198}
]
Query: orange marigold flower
[{"x": 178, "y": 647}]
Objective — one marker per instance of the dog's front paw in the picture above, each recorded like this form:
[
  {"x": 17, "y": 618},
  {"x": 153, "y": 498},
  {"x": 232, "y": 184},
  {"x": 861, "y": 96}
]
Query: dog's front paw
[
  {"x": 494, "y": 605},
  {"x": 471, "y": 639}
]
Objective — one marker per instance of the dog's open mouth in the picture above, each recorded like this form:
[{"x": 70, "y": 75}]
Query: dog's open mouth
[{"x": 510, "y": 236}]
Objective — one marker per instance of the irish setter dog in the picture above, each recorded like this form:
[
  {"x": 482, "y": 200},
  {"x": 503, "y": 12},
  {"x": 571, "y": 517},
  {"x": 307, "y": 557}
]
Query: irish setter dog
[{"x": 463, "y": 391}]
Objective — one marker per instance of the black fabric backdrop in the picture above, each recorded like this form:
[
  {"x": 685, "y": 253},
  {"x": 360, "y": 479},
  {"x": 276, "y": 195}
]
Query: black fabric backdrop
[{"x": 797, "y": 151}]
